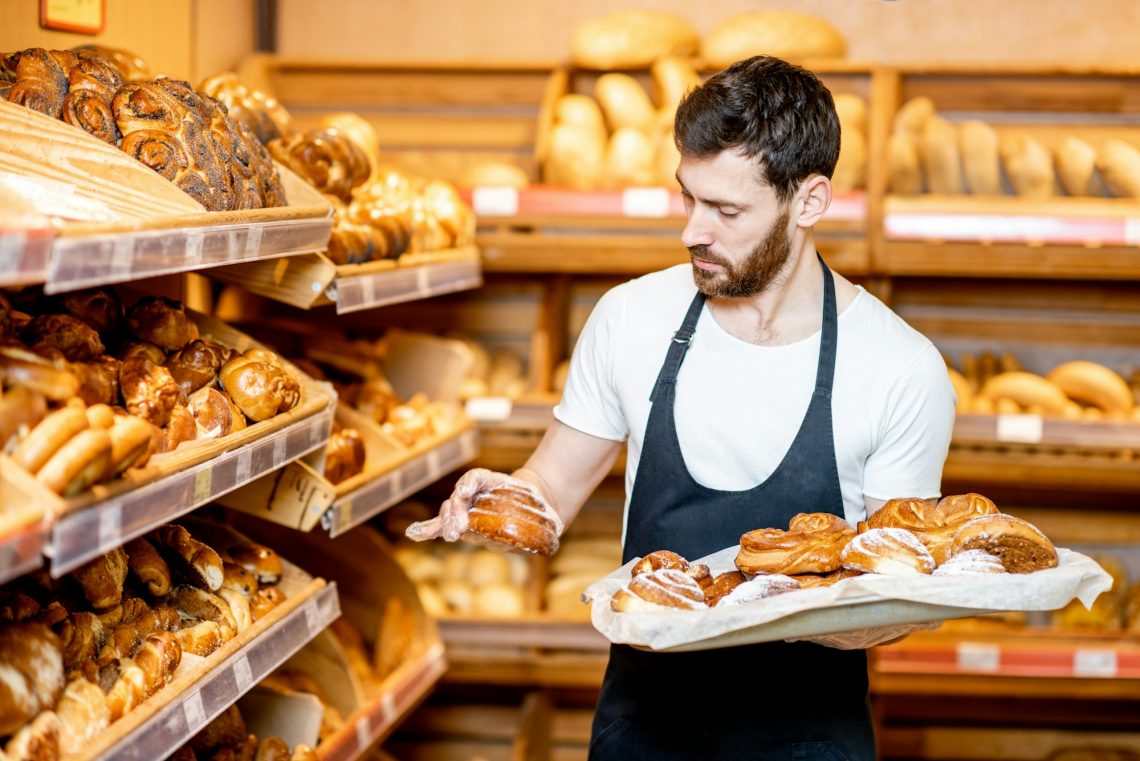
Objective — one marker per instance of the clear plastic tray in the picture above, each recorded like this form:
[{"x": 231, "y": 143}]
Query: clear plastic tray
[
  {"x": 356, "y": 292},
  {"x": 24, "y": 256}
]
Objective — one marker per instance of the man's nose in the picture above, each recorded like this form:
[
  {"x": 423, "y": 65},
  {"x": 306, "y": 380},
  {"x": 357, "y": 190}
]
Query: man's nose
[{"x": 697, "y": 231}]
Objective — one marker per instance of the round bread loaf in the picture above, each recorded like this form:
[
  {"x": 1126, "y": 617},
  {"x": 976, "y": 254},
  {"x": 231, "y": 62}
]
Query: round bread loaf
[
  {"x": 631, "y": 39},
  {"x": 784, "y": 34},
  {"x": 514, "y": 517}
]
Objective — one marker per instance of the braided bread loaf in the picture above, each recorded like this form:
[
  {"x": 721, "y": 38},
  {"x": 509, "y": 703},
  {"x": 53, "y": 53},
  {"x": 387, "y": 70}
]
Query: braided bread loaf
[{"x": 328, "y": 159}]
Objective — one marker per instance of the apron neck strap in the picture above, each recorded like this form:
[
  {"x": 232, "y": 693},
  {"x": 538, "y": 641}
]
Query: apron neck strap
[{"x": 679, "y": 345}]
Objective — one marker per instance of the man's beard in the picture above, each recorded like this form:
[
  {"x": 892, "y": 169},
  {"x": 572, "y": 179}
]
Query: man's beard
[{"x": 751, "y": 276}]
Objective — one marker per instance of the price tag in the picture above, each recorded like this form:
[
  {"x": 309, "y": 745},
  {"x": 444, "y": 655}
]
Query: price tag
[
  {"x": 1132, "y": 232},
  {"x": 110, "y": 525},
  {"x": 1021, "y": 429},
  {"x": 252, "y": 241},
  {"x": 495, "y": 202},
  {"x": 243, "y": 467},
  {"x": 978, "y": 656},
  {"x": 242, "y": 674},
  {"x": 11, "y": 251},
  {"x": 489, "y": 409},
  {"x": 363, "y": 733},
  {"x": 203, "y": 483},
  {"x": 194, "y": 248},
  {"x": 193, "y": 710},
  {"x": 1095, "y": 663},
  {"x": 423, "y": 279},
  {"x": 645, "y": 202}
]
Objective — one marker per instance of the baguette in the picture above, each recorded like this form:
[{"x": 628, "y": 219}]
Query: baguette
[
  {"x": 904, "y": 165},
  {"x": 941, "y": 163},
  {"x": 1119, "y": 165},
  {"x": 1029, "y": 166},
  {"x": 1091, "y": 383},
  {"x": 978, "y": 143},
  {"x": 1076, "y": 167},
  {"x": 1027, "y": 390}
]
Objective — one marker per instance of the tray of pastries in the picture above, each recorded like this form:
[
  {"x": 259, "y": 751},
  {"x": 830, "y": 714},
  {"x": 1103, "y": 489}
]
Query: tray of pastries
[{"x": 910, "y": 562}]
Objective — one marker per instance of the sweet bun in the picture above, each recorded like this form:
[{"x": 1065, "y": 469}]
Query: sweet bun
[
  {"x": 759, "y": 588},
  {"x": 513, "y": 516},
  {"x": 721, "y": 585},
  {"x": 783, "y": 34},
  {"x": 812, "y": 544},
  {"x": 494, "y": 174},
  {"x": 810, "y": 580},
  {"x": 261, "y": 561},
  {"x": 934, "y": 525},
  {"x": 970, "y": 562},
  {"x": 664, "y": 588},
  {"x": 655, "y": 561},
  {"x": 162, "y": 322},
  {"x": 625, "y": 103},
  {"x": 888, "y": 551},
  {"x": 1020, "y": 545}
]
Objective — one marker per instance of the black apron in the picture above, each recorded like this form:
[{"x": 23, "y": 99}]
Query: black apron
[{"x": 789, "y": 700}]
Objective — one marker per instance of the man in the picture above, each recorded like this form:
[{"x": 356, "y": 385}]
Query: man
[{"x": 751, "y": 385}]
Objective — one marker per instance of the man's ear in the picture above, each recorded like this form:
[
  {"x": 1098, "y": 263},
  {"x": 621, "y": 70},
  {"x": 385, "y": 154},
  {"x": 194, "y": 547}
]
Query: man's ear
[{"x": 815, "y": 198}]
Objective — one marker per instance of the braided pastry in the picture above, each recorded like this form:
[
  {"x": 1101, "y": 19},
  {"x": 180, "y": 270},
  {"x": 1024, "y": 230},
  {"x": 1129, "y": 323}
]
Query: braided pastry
[
  {"x": 262, "y": 115},
  {"x": 131, "y": 67},
  {"x": 934, "y": 525},
  {"x": 327, "y": 159},
  {"x": 664, "y": 588},
  {"x": 41, "y": 79},
  {"x": 812, "y": 544},
  {"x": 888, "y": 551},
  {"x": 93, "y": 84}
]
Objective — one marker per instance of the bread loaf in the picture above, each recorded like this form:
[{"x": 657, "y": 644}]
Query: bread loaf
[
  {"x": 1119, "y": 165},
  {"x": 851, "y": 110},
  {"x": 913, "y": 115},
  {"x": 978, "y": 143},
  {"x": 494, "y": 174},
  {"x": 625, "y": 103},
  {"x": 1075, "y": 160},
  {"x": 941, "y": 163},
  {"x": 631, "y": 39},
  {"x": 31, "y": 673},
  {"x": 784, "y": 34},
  {"x": 577, "y": 158},
  {"x": 852, "y": 164},
  {"x": 629, "y": 159},
  {"x": 1028, "y": 164},
  {"x": 904, "y": 165},
  {"x": 673, "y": 77}
]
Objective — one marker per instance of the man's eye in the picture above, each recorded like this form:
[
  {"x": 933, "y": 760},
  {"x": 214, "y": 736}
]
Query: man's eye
[{"x": 729, "y": 213}]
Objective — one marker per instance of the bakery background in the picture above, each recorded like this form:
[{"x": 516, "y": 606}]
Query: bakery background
[{"x": 500, "y": 643}]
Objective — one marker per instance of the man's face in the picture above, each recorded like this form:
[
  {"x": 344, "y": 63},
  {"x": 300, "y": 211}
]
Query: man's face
[{"x": 737, "y": 233}]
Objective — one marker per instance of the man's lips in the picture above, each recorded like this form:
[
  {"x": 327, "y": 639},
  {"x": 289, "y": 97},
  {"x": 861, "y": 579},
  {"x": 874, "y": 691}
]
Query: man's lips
[{"x": 704, "y": 264}]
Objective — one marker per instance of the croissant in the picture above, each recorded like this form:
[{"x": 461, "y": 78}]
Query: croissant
[
  {"x": 190, "y": 558},
  {"x": 41, "y": 81},
  {"x": 158, "y": 656},
  {"x": 148, "y": 566},
  {"x": 812, "y": 544},
  {"x": 83, "y": 713}
]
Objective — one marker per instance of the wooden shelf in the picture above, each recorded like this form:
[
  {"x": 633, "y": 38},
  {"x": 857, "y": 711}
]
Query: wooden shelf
[{"x": 1047, "y": 433}]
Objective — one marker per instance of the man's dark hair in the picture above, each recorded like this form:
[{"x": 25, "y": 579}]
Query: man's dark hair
[{"x": 770, "y": 110}]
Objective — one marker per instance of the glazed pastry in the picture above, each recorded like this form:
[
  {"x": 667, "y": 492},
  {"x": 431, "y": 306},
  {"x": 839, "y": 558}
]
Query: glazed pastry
[
  {"x": 888, "y": 551},
  {"x": 142, "y": 349},
  {"x": 31, "y": 673},
  {"x": 810, "y": 580},
  {"x": 214, "y": 413},
  {"x": 189, "y": 558},
  {"x": 237, "y": 578},
  {"x": 759, "y": 588},
  {"x": 260, "y": 389},
  {"x": 265, "y": 600},
  {"x": 181, "y": 427},
  {"x": 148, "y": 566},
  {"x": 970, "y": 562},
  {"x": 77, "y": 340},
  {"x": 722, "y": 585},
  {"x": 81, "y": 636},
  {"x": 98, "y": 380},
  {"x": 812, "y": 544},
  {"x": 162, "y": 322},
  {"x": 102, "y": 579},
  {"x": 513, "y": 516},
  {"x": 1020, "y": 545},
  {"x": 201, "y": 639},
  {"x": 655, "y": 561},
  {"x": 149, "y": 391},
  {"x": 657, "y": 590},
  {"x": 344, "y": 457},
  {"x": 261, "y": 561},
  {"x": 128, "y": 691},
  {"x": 934, "y": 525}
]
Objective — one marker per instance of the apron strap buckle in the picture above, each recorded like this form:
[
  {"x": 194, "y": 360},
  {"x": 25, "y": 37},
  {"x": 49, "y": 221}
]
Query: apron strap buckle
[{"x": 683, "y": 336}]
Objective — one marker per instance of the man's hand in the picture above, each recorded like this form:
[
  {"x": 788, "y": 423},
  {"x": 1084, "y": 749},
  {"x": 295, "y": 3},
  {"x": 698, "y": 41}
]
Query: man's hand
[
  {"x": 451, "y": 523},
  {"x": 861, "y": 639}
]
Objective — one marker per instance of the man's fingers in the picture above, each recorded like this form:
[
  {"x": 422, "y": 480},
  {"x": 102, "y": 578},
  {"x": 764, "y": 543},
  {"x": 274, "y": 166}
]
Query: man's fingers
[
  {"x": 453, "y": 514},
  {"x": 425, "y": 530}
]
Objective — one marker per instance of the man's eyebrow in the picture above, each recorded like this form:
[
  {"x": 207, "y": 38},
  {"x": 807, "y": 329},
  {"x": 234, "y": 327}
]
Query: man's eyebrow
[{"x": 713, "y": 201}]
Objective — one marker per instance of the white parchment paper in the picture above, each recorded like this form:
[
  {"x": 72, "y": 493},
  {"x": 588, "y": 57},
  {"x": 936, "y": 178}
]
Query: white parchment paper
[{"x": 860, "y": 602}]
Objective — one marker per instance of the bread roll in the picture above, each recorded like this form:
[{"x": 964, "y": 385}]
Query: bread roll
[
  {"x": 851, "y": 110},
  {"x": 1076, "y": 168},
  {"x": 1029, "y": 166},
  {"x": 888, "y": 551},
  {"x": 673, "y": 77},
  {"x": 1119, "y": 165},
  {"x": 784, "y": 34},
  {"x": 494, "y": 174},
  {"x": 941, "y": 163},
  {"x": 913, "y": 115},
  {"x": 499, "y": 600},
  {"x": 631, "y": 39},
  {"x": 662, "y": 589},
  {"x": 904, "y": 165},
  {"x": 581, "y": 111},
  {"x": 577, "y": 158},
  {"x": 629, "y": 159},
  {"x": 978, "y": 143},
  {"x": 666, "y": 159},
  {"x": 488, "y": 568},
  {"x": 625, "y": 103},
  {"x": 851, "y": 167}
]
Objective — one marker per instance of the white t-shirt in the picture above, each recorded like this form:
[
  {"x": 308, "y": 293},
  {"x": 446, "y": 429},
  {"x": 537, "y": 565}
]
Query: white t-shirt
[{"x": 739, "y": 405}]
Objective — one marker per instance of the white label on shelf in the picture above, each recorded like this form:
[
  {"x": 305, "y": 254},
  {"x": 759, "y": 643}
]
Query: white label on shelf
[
  {"x": 978, "y": 656},
  {"x": 11, "y": 251},
  {"x": 253, "y": 241},
  {"x": 244, "y": 458},
  {"x": 489, "y": 409},
  {"x": 423, "y": 279},
  {"x": 363, "y": 733},
  {"x": 1132, "y": 232},
  {"x": 1022, "y": 429},
  {"x": 203, "y": 482},
  {"x": 194, "y": 248},
  {"x": 122, "y": 255},
  {"x": 1095, "y": 663},
  {"x": 645, "y": 202},
  {"x": 242, "y": 674},
  {"x": 193, "y": 710},
  {"x": 110, "y": 524},
  {"x": 495, "y": 202},
  {"x": 388, "y": 705},
  {"x": 313, "y": 619}
]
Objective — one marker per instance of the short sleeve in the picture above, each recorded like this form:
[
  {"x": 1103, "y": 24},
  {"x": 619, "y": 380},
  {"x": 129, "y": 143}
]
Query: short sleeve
[
  {"x": 918, "y": 423},
  {"x": 590, "y": 402}
]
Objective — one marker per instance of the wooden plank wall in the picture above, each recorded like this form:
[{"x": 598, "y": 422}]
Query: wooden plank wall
[
  {"x": 876, "y": 30},
  {"x": 188, "y": 39}
]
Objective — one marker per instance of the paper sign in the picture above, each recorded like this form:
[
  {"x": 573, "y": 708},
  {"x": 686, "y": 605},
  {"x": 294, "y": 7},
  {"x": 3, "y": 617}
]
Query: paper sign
[
  {"x": 495, "y": 202},
  {"x": 978, "y": 656},
  {"x": 1021, "y": 429},
  {"x": 645, "y": 202}
]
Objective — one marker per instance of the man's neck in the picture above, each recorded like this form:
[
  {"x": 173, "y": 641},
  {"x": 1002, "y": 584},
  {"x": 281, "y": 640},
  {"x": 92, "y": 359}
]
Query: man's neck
[{"x": 788, "y": 310}]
